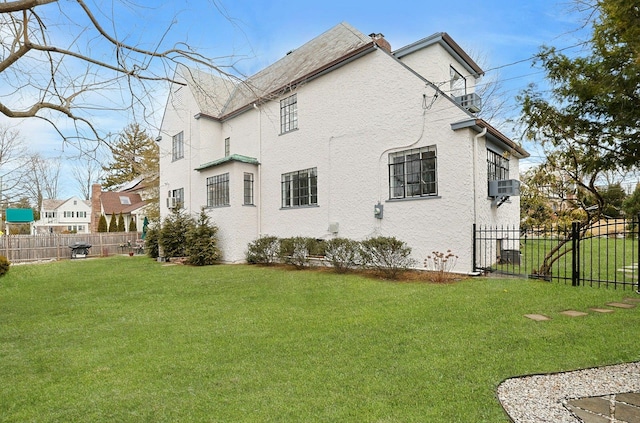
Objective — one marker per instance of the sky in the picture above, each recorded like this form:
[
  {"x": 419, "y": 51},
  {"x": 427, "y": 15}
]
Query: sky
[{"x": 501, "y": 36}]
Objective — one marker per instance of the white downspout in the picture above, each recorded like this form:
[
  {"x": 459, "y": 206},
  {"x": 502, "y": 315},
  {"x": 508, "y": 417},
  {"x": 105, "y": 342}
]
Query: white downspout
[{"x": 475, "y": 159}]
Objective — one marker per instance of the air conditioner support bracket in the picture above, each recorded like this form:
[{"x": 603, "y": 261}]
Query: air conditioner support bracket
[{"x": 498, "y": 201}]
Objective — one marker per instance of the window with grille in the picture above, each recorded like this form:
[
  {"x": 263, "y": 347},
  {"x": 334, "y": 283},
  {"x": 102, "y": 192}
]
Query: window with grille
[
  {"x": 248, "y": 189},
  {"x": 300, "y": 188},
  {"x": 288, "y": 114},
  {"x": 227, "y": 147},
  {"x": 218, "y": 190},
  {"x": 413, "y": 173},
  {"x": 178, "y": 146},
  {"x": 497, "y": 167}
]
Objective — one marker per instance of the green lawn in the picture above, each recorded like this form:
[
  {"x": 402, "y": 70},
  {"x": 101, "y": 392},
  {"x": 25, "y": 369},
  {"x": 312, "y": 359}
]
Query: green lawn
[{"x": 125, "y": 339}]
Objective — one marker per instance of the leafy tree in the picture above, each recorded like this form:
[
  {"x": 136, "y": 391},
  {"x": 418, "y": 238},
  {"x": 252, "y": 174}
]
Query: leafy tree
[
  {"x": 120, "y": 226},
  {"x": 591, "y": 107},
  {"x": 113, "y": 224},
  {"x": 202, "y": 248},
  {"x": 102, "y": 224},
  {"x": 613, "y": 197},
  {"x": 631, "y": 204},
  {"x": 135, "y": 154},
  {"x": 587, "y": 123}
]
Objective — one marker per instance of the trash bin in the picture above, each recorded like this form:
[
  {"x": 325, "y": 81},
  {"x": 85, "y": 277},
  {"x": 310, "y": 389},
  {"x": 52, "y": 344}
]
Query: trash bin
[
  {"x": 510, "y": 257},
  {"x": 79, "y": 250}
]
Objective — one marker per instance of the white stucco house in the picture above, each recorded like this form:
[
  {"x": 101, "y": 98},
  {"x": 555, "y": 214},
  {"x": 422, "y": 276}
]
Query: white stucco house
[
  {"x": 72, "y": 215},
  {"x": 342, "y": 137}
]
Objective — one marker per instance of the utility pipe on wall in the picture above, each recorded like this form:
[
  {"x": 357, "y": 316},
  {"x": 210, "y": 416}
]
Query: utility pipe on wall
[{"x": 475, "y": 158}]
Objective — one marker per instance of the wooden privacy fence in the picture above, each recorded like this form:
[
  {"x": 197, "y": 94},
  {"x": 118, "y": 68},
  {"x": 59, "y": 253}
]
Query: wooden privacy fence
[{"x": 26, "y": 248}]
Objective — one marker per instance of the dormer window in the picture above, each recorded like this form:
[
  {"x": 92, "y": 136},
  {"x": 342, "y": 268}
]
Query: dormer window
[{"x": 458, "y": 86}]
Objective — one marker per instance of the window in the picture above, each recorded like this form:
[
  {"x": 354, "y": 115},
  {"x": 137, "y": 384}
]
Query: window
[
  {"x": 300, "y": 188},
  {"x": 178, "y": 194},
  {"x": 458, "y": 83},
  {"x": 125, "y": 200},
  {"x": 288, "y": 114},
  {"x": 218, "y": 190},
  {"x": 248, "y": 189},
  {"x": 178, "y": 146},
  {"x": 227, "y": 147},
  {"x": 413, "y": 173},
  {"x": 497, "y": 166},
  {"x": 49, "y": 214}
]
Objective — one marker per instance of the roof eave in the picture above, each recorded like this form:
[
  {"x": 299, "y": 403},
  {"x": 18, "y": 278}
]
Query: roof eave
[
  {"x": 326, "y": 68},
  {"x": 448, "y": 44},
  {"x": 478, "y": 125}
]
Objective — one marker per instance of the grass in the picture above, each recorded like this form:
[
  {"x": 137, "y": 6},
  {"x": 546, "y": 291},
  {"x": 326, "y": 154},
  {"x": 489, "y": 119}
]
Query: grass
[
  {"x": 601, "y": 259},
  {"x": 127, "y": 339}
]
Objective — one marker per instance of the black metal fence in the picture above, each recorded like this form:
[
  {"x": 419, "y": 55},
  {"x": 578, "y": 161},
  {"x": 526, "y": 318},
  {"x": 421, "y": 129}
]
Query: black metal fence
[{"x": 606, "y": 253}]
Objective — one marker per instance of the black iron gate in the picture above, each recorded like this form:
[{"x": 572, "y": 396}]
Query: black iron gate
[{"x": 606, "y": 253}]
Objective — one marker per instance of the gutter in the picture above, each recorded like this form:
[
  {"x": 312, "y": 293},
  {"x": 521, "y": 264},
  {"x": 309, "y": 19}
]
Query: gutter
[{"x": 479, "y": 125}]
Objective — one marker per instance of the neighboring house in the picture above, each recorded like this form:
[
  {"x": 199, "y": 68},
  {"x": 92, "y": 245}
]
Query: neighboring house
[
  {"x": 64, "y": 216},
  {"x": 127, "y": 202},
  {"x": 342, "y": 137}
]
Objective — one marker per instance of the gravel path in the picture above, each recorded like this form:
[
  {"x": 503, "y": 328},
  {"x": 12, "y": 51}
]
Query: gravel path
[{"x": 541, "y": 398}]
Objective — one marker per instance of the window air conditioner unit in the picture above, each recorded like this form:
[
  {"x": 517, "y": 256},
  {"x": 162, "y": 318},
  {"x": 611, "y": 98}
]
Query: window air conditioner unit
[
  {"x": 172, "y": 202},
  {"x": 472, "y": 102},
  {"x": 504, "y": 188}
]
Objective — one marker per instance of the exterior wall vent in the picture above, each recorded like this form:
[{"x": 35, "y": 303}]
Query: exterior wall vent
[
  {"x": 504, "y": 188},
  {"x": 472, "y": 102}
]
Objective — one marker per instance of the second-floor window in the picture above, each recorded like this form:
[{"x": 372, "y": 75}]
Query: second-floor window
[
  {"x": 288, "y": 114},
  {"x": 497, "y": 167},
  {"x": 458, "y": 83},
  {"x": 218, "y": 190},
  {"x": 178, "y": 194},
  {"x": 227, "y": 147},
  {"x": 177, "y": 146},
  {"x": 300, "y": 188}
]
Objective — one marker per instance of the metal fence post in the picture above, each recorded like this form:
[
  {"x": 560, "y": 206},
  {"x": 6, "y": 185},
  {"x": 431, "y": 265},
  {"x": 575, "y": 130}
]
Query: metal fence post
[
  {"x": 575, "y": 253},
  {"x": 637, "y": 268},
  {"x": 473, "y": 249}
]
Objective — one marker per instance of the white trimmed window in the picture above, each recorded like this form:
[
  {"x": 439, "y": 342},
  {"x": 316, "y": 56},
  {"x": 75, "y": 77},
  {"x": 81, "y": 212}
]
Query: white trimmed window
[
  {"x": 300, "y": 188},
  {"x": 413, "y": 173},
  {"x": 177, "y": 146},
  {"x": 218, "y": 190},
  {"x": 288, "y": 114}
]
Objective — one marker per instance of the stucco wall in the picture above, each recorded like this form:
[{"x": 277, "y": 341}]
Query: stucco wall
[{"x": 349, "y": 120}]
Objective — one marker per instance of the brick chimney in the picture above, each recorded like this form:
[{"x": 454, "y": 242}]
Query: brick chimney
[
  {"x": 96, "y": 209},
  {"x": 381, "y": 41}
]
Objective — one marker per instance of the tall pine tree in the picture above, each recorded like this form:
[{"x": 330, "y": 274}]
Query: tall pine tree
[{"x": 135, "y": 154}]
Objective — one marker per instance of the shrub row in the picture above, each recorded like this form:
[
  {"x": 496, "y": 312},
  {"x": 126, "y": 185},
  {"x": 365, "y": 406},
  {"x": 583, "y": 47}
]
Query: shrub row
[
  {"x": 183, "y": 236},
  {"x": 387, "y": 255}
]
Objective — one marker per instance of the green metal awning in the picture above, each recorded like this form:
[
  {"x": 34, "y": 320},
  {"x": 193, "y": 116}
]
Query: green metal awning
[
  {"x": 19, "y": 216},
  {"x": 231, "y": 158}
]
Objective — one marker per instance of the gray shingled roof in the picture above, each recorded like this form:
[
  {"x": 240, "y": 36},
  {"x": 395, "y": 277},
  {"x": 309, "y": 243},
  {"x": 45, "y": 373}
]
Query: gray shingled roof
[{"x": 218, "y": 96}]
